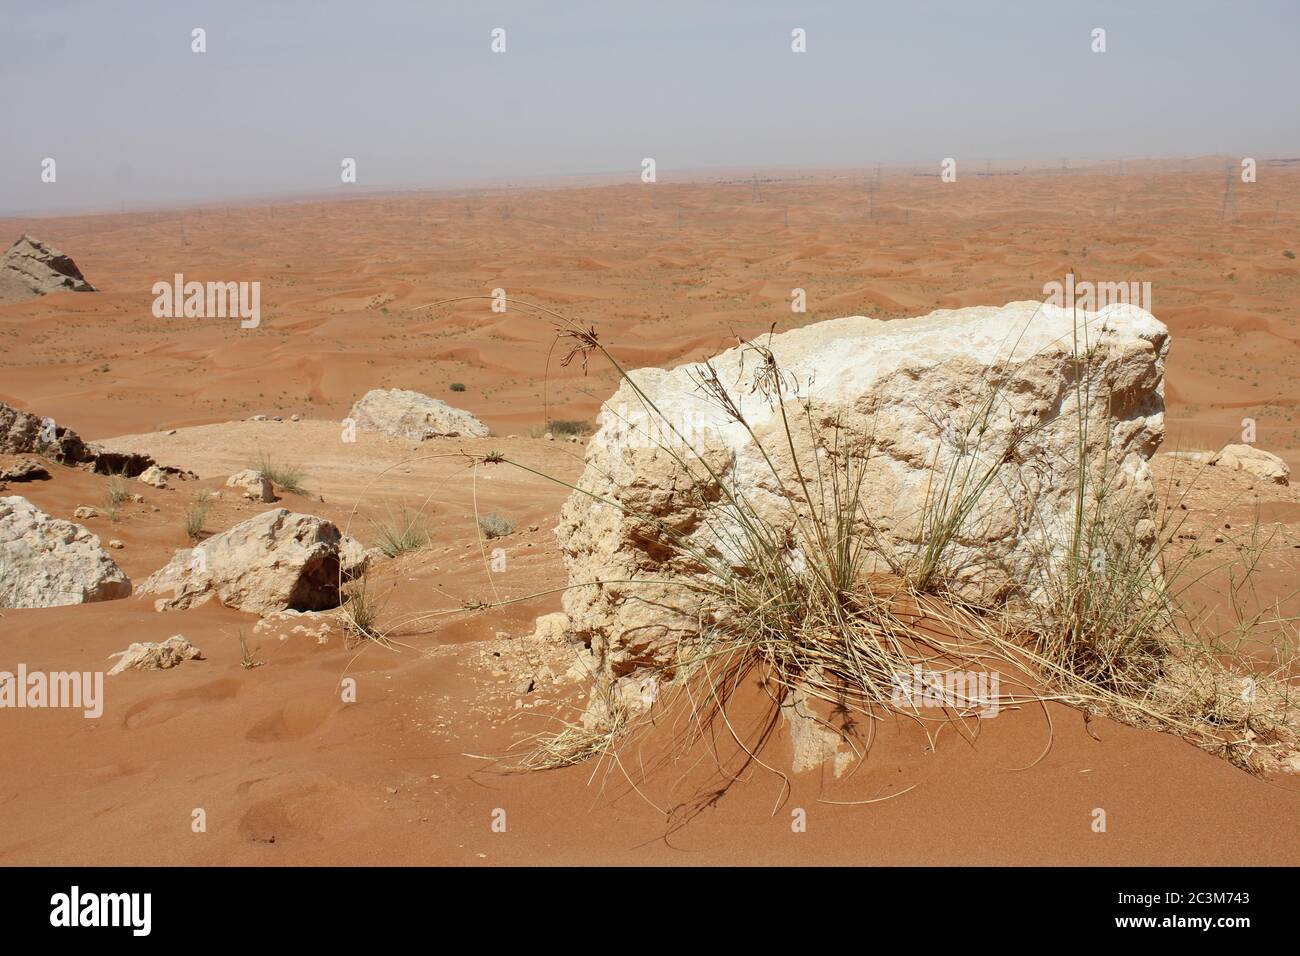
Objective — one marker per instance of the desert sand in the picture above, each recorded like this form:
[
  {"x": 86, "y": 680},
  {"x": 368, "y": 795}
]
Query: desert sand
[{"x": 412, "y": 772}]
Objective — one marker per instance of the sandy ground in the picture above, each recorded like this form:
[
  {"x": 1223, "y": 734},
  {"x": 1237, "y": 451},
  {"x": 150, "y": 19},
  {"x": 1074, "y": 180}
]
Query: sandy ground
[{"x": 286, "y": 772}]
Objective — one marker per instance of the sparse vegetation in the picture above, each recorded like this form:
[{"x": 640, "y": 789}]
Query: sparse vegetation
[
  {"x": 561, "y": 428},
  {"x": 195, "y": 515},
  {"x": 564, "y": 427},
  {"x": 360, "y": 611},
  {"x": 287, "y": 477},
  {"x": 246, "y": 659},
  {"x": 458, "y": 386},
  {"x": 494, "y": 525},
  {"x": 402, "y": 533},
  {"x": 1288, "y": 253},
  {"x": 117, "y": 494}
]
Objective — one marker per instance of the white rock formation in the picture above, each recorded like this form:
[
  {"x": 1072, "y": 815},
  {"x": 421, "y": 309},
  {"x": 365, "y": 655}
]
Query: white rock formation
[
  {"x": 154, "y": 476},
  {"x": 271, "y": 562},
  {"x": 550, "y": 628},
  {"x": 151, "y": 656},
  {"x": 253, "y": 484},
  {"x": 399, "y": 413},
  {"x": 49, "y": 562},
  {"x": 1253, "y": 461},
  {"x": 905, "y": 400},
  {"x": 22, "y": 469},
  {"x": 32, "y": 268}
]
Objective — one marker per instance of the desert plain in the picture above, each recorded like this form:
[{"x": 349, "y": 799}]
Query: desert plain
[{"x": 395, "y": 291}]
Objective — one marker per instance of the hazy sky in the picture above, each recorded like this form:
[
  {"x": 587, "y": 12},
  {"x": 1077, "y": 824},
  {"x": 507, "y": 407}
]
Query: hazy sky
[{"x": 412, "y": 91}]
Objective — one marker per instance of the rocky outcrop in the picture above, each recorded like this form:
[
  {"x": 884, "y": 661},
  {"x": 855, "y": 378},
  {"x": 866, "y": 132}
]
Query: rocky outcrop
[
  {"x": 33, "y": 268},
  {"x": 274, "y": 561},
  {"x": 22, "y": 469},
  {"x": 399, "y": 413},
  {"x": 1253, "y": 461},
  {"x": 155, "y": 656},
  {"x": 24, "y": 433},
  {"x": 253, "y": 485},
  {"x": 49, "y": 562},
  {"x": 963, "y": 394},
  {"x": 154, "y": 477},
  {"x": 551, "y": 629}
]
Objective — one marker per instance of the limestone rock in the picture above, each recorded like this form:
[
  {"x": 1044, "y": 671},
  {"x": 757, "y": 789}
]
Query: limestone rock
[
  {"x": 25, "y": 433},
  {"x": 399, "y": 413},
  {"x": 150, "y": 656},
  {"x": 49, "y": 562},
  {"x": 153, "y": 475},
  {"x": 272, "y": 562},
  {"x": 33, "y": 268},
  {"x": 1253, "y": 461},
  {"x": 550, "y": 628},
  {"x": 355, "y": 558},
  {"x": 22, "y": 469},
  {"x": 903, "y": 399},
  {"x": 256, "y": 486}
]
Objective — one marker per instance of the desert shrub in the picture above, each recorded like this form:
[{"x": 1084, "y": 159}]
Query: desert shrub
[
  {"x": 246, "y": 659},
  {"x": 288, "y": 477},
  {"x": 402, "y": 533},
  {"x": 195, "y": 515},
  {"x": 458, "y": 386},
  {"x": 494, "y": 525},
  {"x": 567, "y": 426},
  {"x": 116, "y": 496},
  {"x": 360, "y": 612}
]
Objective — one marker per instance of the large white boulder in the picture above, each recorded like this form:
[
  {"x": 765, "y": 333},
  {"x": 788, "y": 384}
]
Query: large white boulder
[
  {"x": 955, "y": 393},
  {"x": 272, "y": 562},
  {"x": 49, "y": 562},
  {"x": 399, "y": 413},
  {"x": 1253, "y": 461}
]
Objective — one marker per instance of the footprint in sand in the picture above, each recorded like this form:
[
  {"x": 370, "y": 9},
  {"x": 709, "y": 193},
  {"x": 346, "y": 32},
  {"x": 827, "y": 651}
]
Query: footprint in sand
[
  {"x": 157, "y": 710},
  {"x": 293, "y": 721}
]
